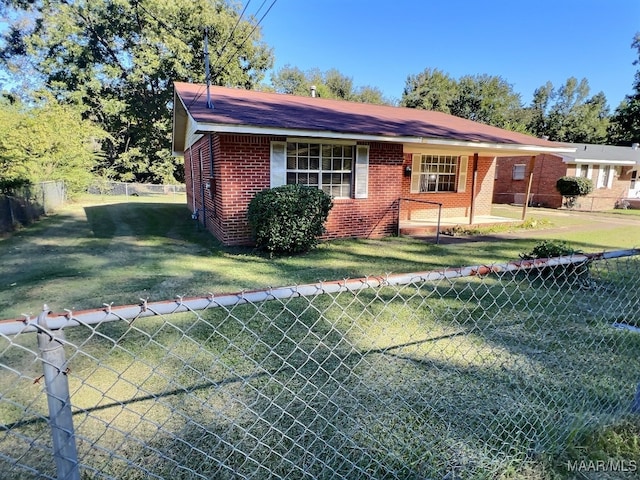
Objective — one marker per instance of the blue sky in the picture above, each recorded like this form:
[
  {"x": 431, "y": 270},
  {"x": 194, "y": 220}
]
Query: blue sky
[{"x": 526, "y": 42}]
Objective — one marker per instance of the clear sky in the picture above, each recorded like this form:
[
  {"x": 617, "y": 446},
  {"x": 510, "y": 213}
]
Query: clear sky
[{"x": 526, "y": 42}]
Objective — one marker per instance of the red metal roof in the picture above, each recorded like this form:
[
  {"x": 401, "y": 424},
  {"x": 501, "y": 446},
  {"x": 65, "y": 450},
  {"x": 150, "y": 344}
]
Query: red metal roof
[{"x": 240, "y": 107}]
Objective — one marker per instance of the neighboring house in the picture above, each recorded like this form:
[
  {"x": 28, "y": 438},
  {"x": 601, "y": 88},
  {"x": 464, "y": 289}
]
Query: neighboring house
[
  {"x": 613, "y": 171},
  {"x": 368, "y": 157}
]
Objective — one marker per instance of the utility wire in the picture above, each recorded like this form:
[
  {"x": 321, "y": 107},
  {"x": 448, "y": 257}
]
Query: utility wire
[
  {"x": 231, "y": 57},
  {"x": 233, "y": 30}
]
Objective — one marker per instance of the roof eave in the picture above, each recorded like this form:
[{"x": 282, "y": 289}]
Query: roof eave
[
  {"x": 595, "y": 161},
  {"x": 283, "y": 132},
  {"x": 499, "y": 149},
  {"x": 180, "y": 119},
  {"x": 496, "y": 149}
]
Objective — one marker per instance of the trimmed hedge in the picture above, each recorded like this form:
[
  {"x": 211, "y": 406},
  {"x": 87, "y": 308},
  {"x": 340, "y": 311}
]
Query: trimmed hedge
[
  {"x": 573, "y": 187},
  {"x": 289, "y": 219}
]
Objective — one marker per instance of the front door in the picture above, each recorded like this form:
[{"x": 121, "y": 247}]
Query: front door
[{"x": 634, "y": 186}]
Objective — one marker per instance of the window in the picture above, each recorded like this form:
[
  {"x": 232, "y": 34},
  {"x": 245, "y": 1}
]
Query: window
[
  {"x": 341, "y": 170},
  {"x": 328, "y": 167},
  {"x": 434, "y": 173},
  {"x": 582, "y": 171},
  {"x": 518, "y": 171},
  {"x": 605, "y": 176}
]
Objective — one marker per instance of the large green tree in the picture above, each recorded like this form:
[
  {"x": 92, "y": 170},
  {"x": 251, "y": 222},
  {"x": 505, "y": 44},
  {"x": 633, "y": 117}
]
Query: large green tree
[
  {"x": 47, "y": 141},
  {"x": 624, "y": 128},
  {"x": 118, "y": 58},
  {"x": 570, "y": 115},
  {"x": 430, "y": 89},
  {"x": 329, "y": 84},
  {"x": 483, "y": 98}
]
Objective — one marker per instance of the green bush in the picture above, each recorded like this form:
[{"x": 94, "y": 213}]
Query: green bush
[
  {"x": 572, "y": 188},
  {"x": 550, "y": 249},
  {"x": 573, "y": 274},
  {"x": 289, "y": 219}
]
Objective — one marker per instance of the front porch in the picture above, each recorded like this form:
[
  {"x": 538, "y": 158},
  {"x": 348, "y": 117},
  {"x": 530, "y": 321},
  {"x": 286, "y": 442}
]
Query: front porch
[{"x": 429, "y": 226}]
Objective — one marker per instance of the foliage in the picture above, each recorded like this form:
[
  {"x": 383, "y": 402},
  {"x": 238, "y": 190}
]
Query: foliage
[
  {"x": 47, "y": 141},
  {"x": 577, "y": 273},
  {"x": 8, "y": 187},
  {"x": 289, "y": 219},
  {"x": 567, "y": 114},
  {"x": 573, "y": 187},
  {"x": 118, "y": 58},
  {"x": 482, "y": 98},
  {"x": 486, "y": 99},
  {"x": 549, "y": 249},
  {"x": 431, "y": 89},
  {"x": 329, "y": 84},
  {"x": 624, "y": 128}
]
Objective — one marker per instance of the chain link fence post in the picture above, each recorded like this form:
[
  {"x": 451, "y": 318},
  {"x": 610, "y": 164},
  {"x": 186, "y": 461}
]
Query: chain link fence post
[{"x": 50, "y": 344}]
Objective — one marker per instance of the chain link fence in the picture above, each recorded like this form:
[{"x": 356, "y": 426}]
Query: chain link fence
[
  {"x": 134, "y": 189},
  {"x": 482, "y": 372},
  {"x": 29, "y": 203}
]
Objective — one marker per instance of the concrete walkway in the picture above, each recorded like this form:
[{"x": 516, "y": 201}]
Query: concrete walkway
[{"x": 593, "y": 221}]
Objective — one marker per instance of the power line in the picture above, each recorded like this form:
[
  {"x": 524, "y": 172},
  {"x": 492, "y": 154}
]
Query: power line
[{"x": 232, "y": 56}]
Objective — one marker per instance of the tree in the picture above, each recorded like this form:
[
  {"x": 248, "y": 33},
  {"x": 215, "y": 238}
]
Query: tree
[
  {"x": 290, "y": 80},
  {"x": 487, "y": 99},
  {"x": 329, "y": 84},
  {"x": 118, "y": 59},
  {"x": 48, "y": 141},
  {"x": 568, "y": 114},
  {"x": 482, "y": 98},
  {"x": 430, "y": 90},
  {"x": 624, "y": 128}
]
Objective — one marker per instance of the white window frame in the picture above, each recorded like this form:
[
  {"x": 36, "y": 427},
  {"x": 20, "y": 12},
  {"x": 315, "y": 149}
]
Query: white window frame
[
  {"x": 358, "y": 172},
  {"x": 605, "y": 181},
  {"x": 518, "y": 171},
  {"x": 420, "y": 161},
  {"x": 580, "y": 166}
]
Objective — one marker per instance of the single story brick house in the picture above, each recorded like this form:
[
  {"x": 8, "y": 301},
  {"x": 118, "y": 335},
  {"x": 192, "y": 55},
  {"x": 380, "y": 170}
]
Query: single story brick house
[
  {"x": 613, "y": 170},
  {"x": 379, "y": 163}
]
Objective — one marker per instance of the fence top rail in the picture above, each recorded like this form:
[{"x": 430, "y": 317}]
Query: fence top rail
[
  {"x": 47, "y": 321},
  {"x": 421, "y": 201}
]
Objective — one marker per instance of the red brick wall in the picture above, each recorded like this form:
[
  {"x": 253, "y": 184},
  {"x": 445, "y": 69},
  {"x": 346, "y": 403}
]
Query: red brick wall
[
  {"x": 454, "y": 204},
  {"x": 376, "y": 216},
  {"x": 241, "y": 168},
  {"x": 548, "y": 169}
]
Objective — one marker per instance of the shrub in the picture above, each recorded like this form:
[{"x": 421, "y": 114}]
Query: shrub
[
  {"x": 571, "y": 273},
  {"x": 572, "y": 188},
  {"x": 550, "y": 249},
  {"x": 289, "y": 219}
]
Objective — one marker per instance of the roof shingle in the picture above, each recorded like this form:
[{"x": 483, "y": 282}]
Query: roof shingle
[{"x": 280, "y": 111}]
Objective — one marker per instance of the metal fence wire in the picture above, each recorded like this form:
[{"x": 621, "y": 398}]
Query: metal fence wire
[
  {"x": 464, "y": 373},
  {"x": 107, "y": 187},
  {"x": 29, "y": 203}
]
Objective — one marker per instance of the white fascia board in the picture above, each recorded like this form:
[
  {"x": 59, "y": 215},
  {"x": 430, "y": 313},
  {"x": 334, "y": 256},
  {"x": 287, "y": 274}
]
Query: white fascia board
[
  {"x": 593, "y": 161},
  {"x": 290, "y": 132},
  {"x": 508, "y": 148}
]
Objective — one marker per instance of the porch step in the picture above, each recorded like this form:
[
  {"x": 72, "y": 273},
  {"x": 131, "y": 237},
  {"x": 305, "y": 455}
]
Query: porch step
[{"x": 417, "y": 230}]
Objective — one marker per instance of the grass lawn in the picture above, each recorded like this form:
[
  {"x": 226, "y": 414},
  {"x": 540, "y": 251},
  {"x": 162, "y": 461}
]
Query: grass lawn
[
  {"x": 105, "y": 250},
  {"x": 471, "y": 375}
]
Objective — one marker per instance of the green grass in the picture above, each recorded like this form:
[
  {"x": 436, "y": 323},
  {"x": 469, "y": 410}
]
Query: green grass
[
  {"x": 90, "y": 254},
  {"x": 487, "y": 378}
]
